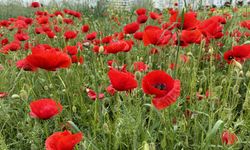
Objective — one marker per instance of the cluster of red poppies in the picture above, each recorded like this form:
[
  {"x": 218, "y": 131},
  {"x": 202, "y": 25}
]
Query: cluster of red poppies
[
  {"x": 45, "y": 109},
  {"x": 181, "y": 29}
]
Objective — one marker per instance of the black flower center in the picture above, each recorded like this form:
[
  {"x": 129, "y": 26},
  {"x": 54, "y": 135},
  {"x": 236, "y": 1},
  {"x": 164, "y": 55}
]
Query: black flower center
[
  {"x": 230, "y": 58},
  {"x": 160, "y": 86}
]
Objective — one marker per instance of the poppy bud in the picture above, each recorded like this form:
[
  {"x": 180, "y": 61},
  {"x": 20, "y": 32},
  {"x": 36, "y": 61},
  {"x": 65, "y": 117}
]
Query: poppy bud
[
  {"x": 145, "y": 146},
  {"x": 74, "y": 108},
  {"x": 106, "y": 128},
  {"x": 15, "y": 96},
  {"x": 19, "y": 136},
  {"x": 228, "y": 138},
  {"x": 248, "y": 74},
  {"x": 46, "y": 88},
  {"x": 101, "y": 49},
  {"x": 59, "y": 18},
  {"x": 211, "y": 50},
  {"x": 237, "y": 64},
  {"x": 138, "y": 74},
  {"x": 148, "y": 146},
  {"x": 241, "y": 73},
  {"x": 23, "y": 94},
  {"x": 189, "y": 54}
]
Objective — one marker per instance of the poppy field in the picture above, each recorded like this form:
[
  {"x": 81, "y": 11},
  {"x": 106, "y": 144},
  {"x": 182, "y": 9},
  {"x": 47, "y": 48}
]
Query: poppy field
[{"x": 141, "y": 79}]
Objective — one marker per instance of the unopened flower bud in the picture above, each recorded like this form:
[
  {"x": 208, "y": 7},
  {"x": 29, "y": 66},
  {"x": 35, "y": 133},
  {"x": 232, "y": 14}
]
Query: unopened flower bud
[
  {"x": 15, "y": 96},
  {"x": 101, "y": 49},
  {"x": 237, "y": 64}
]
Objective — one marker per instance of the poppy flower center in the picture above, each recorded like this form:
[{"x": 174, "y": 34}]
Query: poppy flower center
[
  {"x": 160, "y": 86},
  {"x": 230, "y": 57}
]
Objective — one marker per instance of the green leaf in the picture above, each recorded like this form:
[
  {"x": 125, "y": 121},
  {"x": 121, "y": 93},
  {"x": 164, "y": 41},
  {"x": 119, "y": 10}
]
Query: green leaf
[{"x": 215, "y": 128}]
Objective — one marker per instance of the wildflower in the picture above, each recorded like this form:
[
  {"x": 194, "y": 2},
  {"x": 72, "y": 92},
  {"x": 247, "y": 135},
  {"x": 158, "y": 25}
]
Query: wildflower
[
  {"x": 49, "y": 59},
  {"x": 122, "y": 80},
  {"x": 165, "y": 89},
  {"x": 239, "y": 53},
  {"x": 63, "y": 140},
  {"x": 228, "y": 138},
  {"x": 45, "y": 108},
  {"x": 131, "y": 28}
]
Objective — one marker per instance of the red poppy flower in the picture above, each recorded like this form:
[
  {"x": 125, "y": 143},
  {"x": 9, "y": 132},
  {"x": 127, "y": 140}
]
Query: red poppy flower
[
  {"x": 107, "y": 39},
  {"x": 155, "y": 16},
  {"x": 49, "y": 59},
  {"x": 142, "y": 19},
  {"x": 131, "y": 28},
  {"x": 13, "y": 46},
  {"x": 27, "y": 45},
  {"x": 21, "y": 36},
  {"x": 141, "y": 11},
  {"x": 130, "y": 44},
  {"x": 122, "y": 80},
  {"x": 154, "y": 51},
  {"x": 165, "y": 89},
  {"x": 219, "y": 19},
  {"x": 57, "y": 13},
  {"x": 85, "y": 28},
  {"x": 57, "y": 28},
  {"x": 3, "y": 94},
  {"x": 172, "y": 66},
  {"x": 73, "y": 13},
  {"x": 245, "y": 24},
  {"x": 211, "y": 29},
  {"x": 190, "y": 36},
  {"x": 35, "y": 4},
  {"x": 77, "y": 59},
  {"x": 45, "y": 108},
  {"x": 154, "y": 35},
  {"x": 79, "y": 45},
  {"x": 25, "y": 65},
  {"x": 43, "y": 20},
  {"x": 96, "y": 48},
  {"x": 111, "y": 90},
  {"x": 184, "y": 58},
  {"x": 189, "y": 21},
  {"x": 4, "y": 41},
  {"x": 246, "y": 34},
  {"x": 70, "y": 35},
  {"x": 236, "y": 33},
  {"x": 168, "y": 26},
  {"x": 50, "y": 34},
  {"x": 20, "y": 24},
  {"x": 38, "y": 30},
  {"x": 238, "y": 53},
  {"x": 45, "y": 28},
  {"x": 118, "y": 46},
  {"x": 229, "y": 138},
  {"x": 5, "y": 23},
  {"x": 63, "y": 140},
  {"x": 72, "y": 50},
  {"x": 95, "y": 41},
  {"x": 140, "y": 66},
  {"x": 41, "y": 13},
  {"x": 138, "y": 35},
  {"x": 68, "y": 21},
  {"x": 91, "y": 36},
  {"x": 92, "y": 94},
  {"x": 120, "y": 36}
]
